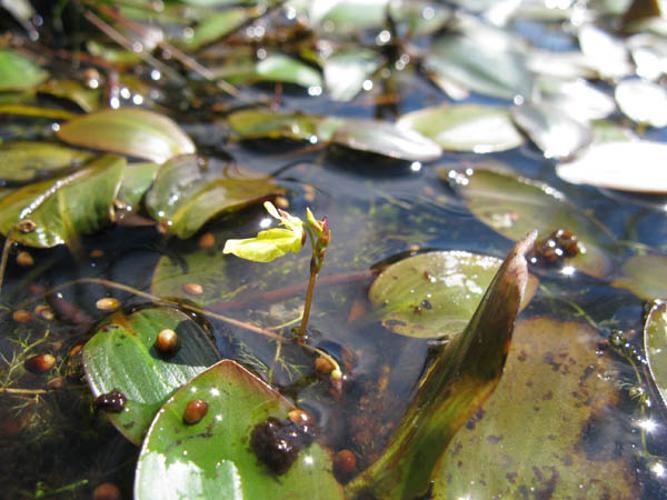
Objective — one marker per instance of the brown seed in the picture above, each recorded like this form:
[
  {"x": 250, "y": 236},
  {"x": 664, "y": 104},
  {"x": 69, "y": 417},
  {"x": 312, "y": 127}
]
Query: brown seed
[
  {"x": 24, "y": 259},
  {"x": 56, "y": 383},
  {"x": 113, "y": 401},
  {"x": 106, "y": 491},
  {"x": 26, "y": 226},
  {"x": 167, "y": 342},
  {"x": 299, "y": 417},
  {"x": 193, "y": 289},
  {"x": 323, "y": 365},
  {"x": 281, "y": 202},
  {"x": 41, "y": 363},
  {"x": 195, "y": 411},
  {"x": 344, "y": 464},
  {"x": 75, "y": 350},
  {"x": 96, "y": 253},
  {"x": 22, "y": 316},
  {"x": 45, "y": 312},
  {"x": 107, "y": 304},
  {"x": 206, "y": 241}
]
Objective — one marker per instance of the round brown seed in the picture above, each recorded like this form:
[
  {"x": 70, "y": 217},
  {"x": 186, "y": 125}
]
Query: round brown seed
[
  {"x": 344, "y": 464},
  {"x": 323, "y": 365},
  {"x": 193, "y": 289},
  {"x": 106, "y": 491},
  {"x": 24, "y": 259},
  {"x": 206, "y": 241},
  {"x": 195, "y": 411},
  {"x": 22, "y": 316},
  {"x": 166, "y": 341},
  {"x": 45, "y": 312},
  {"x": 41, "y": 363},
  {"x": 107, "y": 304},
  {"x": 96, "y": 253}
]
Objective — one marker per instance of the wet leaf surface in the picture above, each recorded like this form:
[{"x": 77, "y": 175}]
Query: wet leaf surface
[
  {"x": 137, "y": 179},
  {"x": 18, "y": 72},
  {"x": 71, "y": 90},
  {"x": 655, "y": 346},
  {"x": 623, "y": 165},
  {"x": 53, "y": 212},
  {"x": 645, "y": 276},
  {"x": 346, "y": 71},
  {"x": 122, "y": 356},
  {"x": 436, "y": 293},
  {"x": 513, "y": 205},
  {"x": 213, "y": 457},
  {"x": 643, "y": 102},
  {"x": 454, "y": 386},
  {"x": 265, "y": 124},
  {"x": 466, "y": 127},
  {"x": 22, "y": 161},
  {"x": 129, "y": 131},
  {"x": 529, "y": 436},
  {"x": 189, "y": 191}
]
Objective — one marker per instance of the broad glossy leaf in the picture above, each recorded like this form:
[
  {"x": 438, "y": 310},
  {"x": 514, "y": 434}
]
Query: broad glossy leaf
[
  {"x": 605, "y": 52},
  {"x": 129, "y": 131},
  {"x": 346, "y": 71},
  {"x": 494, "y": 71},
  {"x": 60, "y": 209},
  {"x": 454, "y": 386},
  {"x": 576, "y": 98},
  {"x": 212, "y": 458},
  {"x": 22, "y": 161},
  {"x": 643, "y": 102},
  {"x": 627, "y": 166},
  {"x": 18, "y": 72},
  {"x": 137, "y": 179},
  {"x": 282, "y": 68},
  {"x": 528, "y": 435},
  {"x": 465, "y": 127},
  {"x": 513, "y": 205},
  {"x": 87, "y": 99},
  {"x": 554, "y": 132},
  {"x": 267, "y": 246},
  {"x": 265, "y": 124},
  {"x": 36, "y": 111},
  {"x": 434, "y": 294},
  {"x": 189, "y": 191},
  {"x": 343, "y": 16},
  {"x": 122, "y": 356},
  {"x": 421, "y": 18},
  {"x": 219, "y": 24},
  {"x": 566, "y": 65},
  {"x": 386, "y": 139},
  {"x": 645, "y": 276},
  {"x": 655, "y": 346}
]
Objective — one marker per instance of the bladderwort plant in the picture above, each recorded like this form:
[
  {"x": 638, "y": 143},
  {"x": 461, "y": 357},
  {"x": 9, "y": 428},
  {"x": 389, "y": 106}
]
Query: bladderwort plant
[{"x": 272, "y": 244}]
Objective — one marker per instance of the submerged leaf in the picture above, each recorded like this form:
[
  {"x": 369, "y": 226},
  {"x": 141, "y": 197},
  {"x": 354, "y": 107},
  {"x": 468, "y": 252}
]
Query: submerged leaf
[
  {"x": 18, "y": 72},
  {"x": 23, "y": 161},
  {"x": 627, "y": 166},
  {"x": 529, "y": 435},
  {"x": 513, "y": 205},
  {"x": 655, "y": 346},
  {"x": 122, "y": 355},
  {"x": 49, "y": 213},
  {"x": 434, "y": 294},
  {"x": 645, "y": 276},
  {"x": 129, "y": 131},
  {"x": 466, "y": 127},
  {"x": 455, "y": 385},
  {"x": 189, "y": 191},
  {"x": 212, "y": 458}
]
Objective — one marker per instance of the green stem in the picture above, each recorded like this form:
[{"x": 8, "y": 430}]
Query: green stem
[{"x": 309, "y": 302}]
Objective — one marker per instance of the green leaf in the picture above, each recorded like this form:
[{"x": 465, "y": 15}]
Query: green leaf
[
  {"x": 189, "y": 191},
  {"x": 36, "y": 111},
  {"x": 556, "y": 391},
  {"x": 265, "y": 124},
  {"x": 218, "y": 24},
  {"x": 384, "y": 138},
  {"x": 62, "y": 208},
  {"x": 454, "y": 386},
  {"x": 281, "y": 68},
  {"x": 87, "y": 99},
  {"x": 122, "y": 356},
  {"x": 645, "y": 276},
  {"x": 345, "y": 71},
  {"x": 467, "y": 127},
  {"x": 18, "y": 72},
  {"x": 22, "y": 161},
  {"x": 655, "y": 346},
  {"x": 266, "y": 246},
  {"x": 212, "y": 458},
  {"x": 435, "y": 294},
  {"x": 129, "y": 131},
  {"x": 137, "y": 179},
  {"x": 513, "y": 205}
]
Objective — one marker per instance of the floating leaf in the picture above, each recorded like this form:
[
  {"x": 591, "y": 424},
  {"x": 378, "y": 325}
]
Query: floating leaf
[
  {"x": 513, "y": 205},
  {"x": 22, "y": 161},
  {"x": 645, "y": 276},
  {"x": 18, "y": 72},
  {"x": 455, "y": 385},
  {"x": 264, "y": 124},
  {"x": 281, "y": 68},
  {"x": 466, "y": 127},
  {"x": 49, "y": 213},
  {"x": 36, "y": 111},
  {"x": 129, "y": 131},
  {"x": 643, "y": 102},
  {"x": 528, "y": 435},
  {"x": 137, "y": 179},
  {"x": 606, "y": 53},
  {"x": 346, "y": 71},
  {"x": 627, "y": 166},
  {"x": 554, "y": 132},
  {"x": 212, "y": 458},
  {"x": 434, "y": 294},
  {"x": 576, "y": 98},
  {"x": 655, "y": 346},
  {"x": 566, "y": 65},
  {"x": 497, "y": 70},
  {"x": 122, "y": 356},
  {"x": 219, "y": 24},
  {"x": 189, "y": 191},
  {"x": 87, "y": 99},
  {"x": 386, "y": 139},
  {"x": 344, "y": 16}
]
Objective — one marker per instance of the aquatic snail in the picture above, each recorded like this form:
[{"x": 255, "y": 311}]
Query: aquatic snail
[
  {"x": 559, "y": 245},
  {"x": 113, "y": 401}
]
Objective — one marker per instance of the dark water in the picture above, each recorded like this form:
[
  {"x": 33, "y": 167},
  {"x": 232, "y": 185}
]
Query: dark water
[{"x": 378, "y": 208}]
